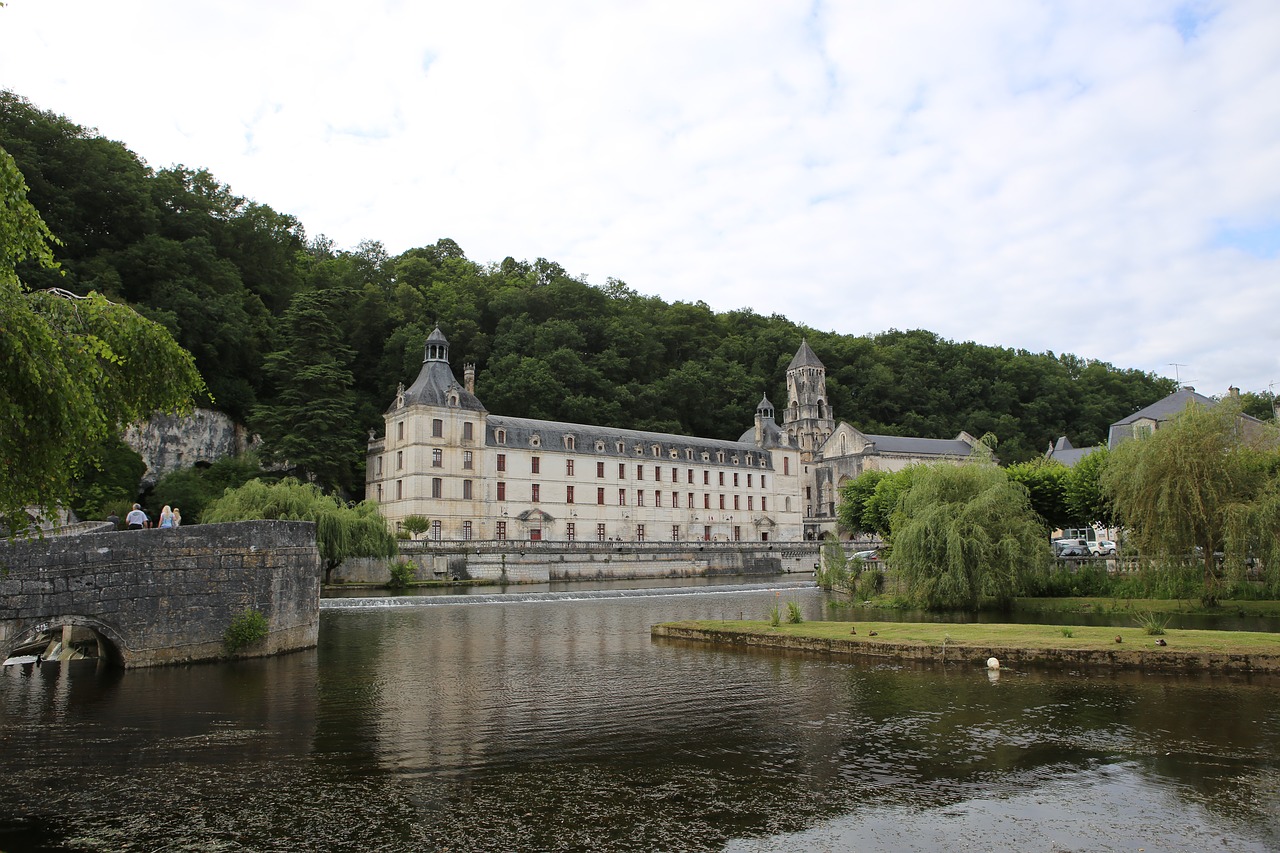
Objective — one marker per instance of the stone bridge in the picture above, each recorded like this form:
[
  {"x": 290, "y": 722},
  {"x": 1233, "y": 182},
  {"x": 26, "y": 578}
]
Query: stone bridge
[{"x": 164, "y": 596}]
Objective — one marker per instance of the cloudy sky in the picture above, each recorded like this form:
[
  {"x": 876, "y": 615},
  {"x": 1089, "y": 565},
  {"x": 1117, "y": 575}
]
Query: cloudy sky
[{"x": 1101, "y": 178}]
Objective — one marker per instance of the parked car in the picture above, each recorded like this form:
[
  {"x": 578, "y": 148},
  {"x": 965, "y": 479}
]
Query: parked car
[
  {"x": 1102, "y": 548},
  {"x": 1070, "y": 548},
  {"x": 869, "y": 556}
]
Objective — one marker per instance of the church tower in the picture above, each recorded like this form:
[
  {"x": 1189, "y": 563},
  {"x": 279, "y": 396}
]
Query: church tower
[{"x": 808, "y": 418}]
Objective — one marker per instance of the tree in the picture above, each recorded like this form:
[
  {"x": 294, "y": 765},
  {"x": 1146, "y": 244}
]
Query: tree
[
  {"x": 1046, "y": 483},
  {"x": 1192, "y": 486},
  {"x": 194, "y": 488},
  {"x": 1086, "y": 503},
  {"x": 964, "y": 536},
  {"x": 76, "y": 368},
  {"x": 342, "y": 530},
  {"x": 415, "y": 525},
  {"x": 312, "y": 427},
  {"x": 854, "y": 498}
]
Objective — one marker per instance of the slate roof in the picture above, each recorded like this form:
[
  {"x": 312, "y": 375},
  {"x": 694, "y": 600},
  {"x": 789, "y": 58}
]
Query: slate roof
[
  {"x": 1159, "y": 411},
  {"x": 436, "y": 381},
  {"x": 551, "y": 434},
  {"x": 804, "y": 357},
  {"x": 1062, "y": 451},
  {"x": 920, "y": 446}
]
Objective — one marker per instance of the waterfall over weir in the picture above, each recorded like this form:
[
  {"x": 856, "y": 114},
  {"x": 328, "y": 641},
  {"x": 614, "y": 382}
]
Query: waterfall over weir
[{"x": 535, "y": 597}]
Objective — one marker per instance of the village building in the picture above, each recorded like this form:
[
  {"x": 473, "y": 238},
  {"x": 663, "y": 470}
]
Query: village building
[{"x": 481, "y": 476}]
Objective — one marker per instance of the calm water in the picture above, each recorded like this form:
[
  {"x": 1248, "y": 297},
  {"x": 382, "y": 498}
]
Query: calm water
[{"x": 532, "y": 722}]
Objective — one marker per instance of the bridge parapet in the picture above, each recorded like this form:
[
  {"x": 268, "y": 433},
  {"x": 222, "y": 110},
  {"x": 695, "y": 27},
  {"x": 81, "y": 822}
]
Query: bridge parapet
[{"x": 165, "y": 596}]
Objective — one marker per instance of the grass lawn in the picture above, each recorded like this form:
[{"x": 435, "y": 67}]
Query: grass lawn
[
  {"x": 1007, "y": 636},
  {"x": 1146, "y": 605}
]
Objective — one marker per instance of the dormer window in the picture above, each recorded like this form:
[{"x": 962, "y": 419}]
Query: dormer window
[
  {"x": 621, "y": 448},
  {"x": 599, "y": 447},
  {"x": 535, "y": 441},
  {"x": 569, "y": 443},
  {"x": 500, "y": 436},
  {"x": 720, "y": 456},
  {"x": 656, "y": 450}
]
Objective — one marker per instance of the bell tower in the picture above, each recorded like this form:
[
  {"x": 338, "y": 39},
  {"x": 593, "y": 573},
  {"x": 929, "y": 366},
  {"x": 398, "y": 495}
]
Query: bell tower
[{"x": 808, "y": 418}]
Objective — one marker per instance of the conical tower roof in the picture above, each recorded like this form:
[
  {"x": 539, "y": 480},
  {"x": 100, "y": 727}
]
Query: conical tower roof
[{"x": 805, "y": 357}]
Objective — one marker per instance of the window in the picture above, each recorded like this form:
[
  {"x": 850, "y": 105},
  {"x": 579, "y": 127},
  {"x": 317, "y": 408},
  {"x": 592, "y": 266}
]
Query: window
[
  {"x": 399, "y": 489},
  {"x": 535, "y": 465},
  {"x": 599, "y": 469},
  {"x": 639, "y": 497},
  {"x": 378, "y": 472},
  {"x": 751, "y": 502},
  {"x": 690, "y": 475},
  {"x": 467, "y": 460},
  {"x": 736, "y": 502},
  {"x": 786, "y": 465},
  {"x": 600, "y": 533},
  {"x": 737, "y": 533},
  {"x": 639, "y": 532},
  {"x": 437, "y": 458},
  {"x": 657, "y": 473},
  {"x": 763, "y": 484},
  {"x": 735, "y": 479},
  {"x": 675, "y": 500},
  {"x": 568, "y": 467},
  {"x": 706, "y": 478},
  {"x": 721, "y": 478},
  {"x": 502, "y": 461},
  {"x": 600, "y": 496},
  {"x": 466, "y": 530},
  {"x": 568, "y": 494},
  {"x": 639, "y": 472},
  {"x": 435, "y": 530},
  {"x": 570, "y": 531},
  {"x": 570, "y": 443},
  {"x": 400, "y": 430},
  {"x": 467, "y": 431},
  {"x": 675, "y": 475},
  {"x": 379, "y": 493},
  {"x": 437, "y": 487},
  {"x": 706, "y": 501},
  {"x": 722, "y": 501},
  {"x": 535, "y": 492},
  {"x": 764, "y": 504},
  {"x": 400, "y": 459},
  {"x": 689, "y": 504},
  {"x": 500, "y": 436},
  {"x": 622, "y": 471},
  {"x": 675, "y": 533},
  {"x": 500, "y": 532},
  {"x": 466, "y": 490},
  {"x": 657, "y": 498},
  {"x": 437, "y": 428},
  {"x": 720, "y": 456},
  {"x": 535, "y": 441},
  {"x": 749, "y": 476},
  {"x": 706, "y": 532},
  {"x": 502, "y": 491},
  {"x": 622, "y": 497},
  {"x": 808, "y": 493}
]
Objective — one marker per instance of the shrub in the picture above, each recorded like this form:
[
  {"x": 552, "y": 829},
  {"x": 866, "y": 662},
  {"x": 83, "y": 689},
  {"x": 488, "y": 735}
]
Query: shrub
[
  {"x": 794, "y": 616},
  {"x": 870, "y": 582},
  {"x": 248, "y": 628},
  {"x": 403, "y": 573},
  {"x": 1152, "y": 623},
  {"x": 775, "y": 616}
]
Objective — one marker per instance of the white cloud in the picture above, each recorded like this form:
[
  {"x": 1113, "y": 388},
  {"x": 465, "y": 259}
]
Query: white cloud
[{"x": 1039, "y": 175}]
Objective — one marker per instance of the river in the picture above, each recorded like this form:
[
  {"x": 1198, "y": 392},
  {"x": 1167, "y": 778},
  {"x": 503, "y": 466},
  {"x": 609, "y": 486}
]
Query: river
[{"x": 549, "y": 720}]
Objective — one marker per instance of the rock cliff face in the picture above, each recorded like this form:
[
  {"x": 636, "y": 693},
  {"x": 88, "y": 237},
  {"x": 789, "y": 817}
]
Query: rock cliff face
[{"x": 168, "y": 442}]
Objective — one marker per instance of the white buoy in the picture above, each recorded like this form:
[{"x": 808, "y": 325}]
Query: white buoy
[{"x": 993, "y": 663}]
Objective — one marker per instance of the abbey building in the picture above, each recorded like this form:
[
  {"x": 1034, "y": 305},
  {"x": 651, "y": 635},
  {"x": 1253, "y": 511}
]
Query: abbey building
[{"x": 481, "y": 476}]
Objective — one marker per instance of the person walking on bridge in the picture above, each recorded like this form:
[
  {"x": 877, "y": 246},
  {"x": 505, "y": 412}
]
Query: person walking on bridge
[{"x": 137, "y": 519}]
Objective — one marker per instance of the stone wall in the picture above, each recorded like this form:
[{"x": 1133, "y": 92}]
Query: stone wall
[
  {"x": 541, "y": 562},
  {"x": 166, "y": 596}
]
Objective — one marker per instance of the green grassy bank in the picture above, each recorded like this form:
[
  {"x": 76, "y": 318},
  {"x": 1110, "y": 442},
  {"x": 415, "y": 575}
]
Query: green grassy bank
[{"x": 1013, "y": 645}]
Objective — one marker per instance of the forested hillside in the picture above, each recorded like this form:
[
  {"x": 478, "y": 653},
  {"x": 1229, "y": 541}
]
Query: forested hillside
[{"x": 306, "y": 342}]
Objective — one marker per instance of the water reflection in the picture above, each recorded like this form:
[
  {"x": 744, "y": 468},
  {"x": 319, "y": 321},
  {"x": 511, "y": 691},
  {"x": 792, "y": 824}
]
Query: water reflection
[{"x": 559, "y": 725}]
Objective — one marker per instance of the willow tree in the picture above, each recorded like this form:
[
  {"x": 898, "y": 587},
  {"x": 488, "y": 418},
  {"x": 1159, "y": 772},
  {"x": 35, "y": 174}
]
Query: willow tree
[
  {"x": 963, "y": 537},
  {"x": 76, "y": 368},
  {"x": 1200, "y": 484},
  {"x": 342, "y": 530}
]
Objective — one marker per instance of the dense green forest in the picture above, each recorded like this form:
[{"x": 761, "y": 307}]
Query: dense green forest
[{"x": 305, "y": 342}]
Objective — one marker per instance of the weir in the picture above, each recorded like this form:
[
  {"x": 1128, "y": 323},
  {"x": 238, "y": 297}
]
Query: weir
[{"x": 391, "y": 601}]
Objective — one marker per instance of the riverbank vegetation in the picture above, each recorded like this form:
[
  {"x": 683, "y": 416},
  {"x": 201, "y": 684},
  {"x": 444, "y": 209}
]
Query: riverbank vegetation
[{"x": 1128, "y": 646}]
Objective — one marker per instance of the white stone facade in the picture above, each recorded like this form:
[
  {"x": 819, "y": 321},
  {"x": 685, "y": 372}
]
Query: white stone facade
[{"x": 479, "y": 476}]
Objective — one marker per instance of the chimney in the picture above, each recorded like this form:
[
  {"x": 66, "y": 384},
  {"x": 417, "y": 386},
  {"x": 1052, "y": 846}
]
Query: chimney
[
  {"x": 1233, "y": 391},
  {"x": 469, "y": 377}
]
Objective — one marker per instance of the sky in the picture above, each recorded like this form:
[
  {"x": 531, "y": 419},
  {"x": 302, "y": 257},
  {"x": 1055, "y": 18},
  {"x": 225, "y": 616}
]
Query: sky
[{"x": 1097, "y": 178}]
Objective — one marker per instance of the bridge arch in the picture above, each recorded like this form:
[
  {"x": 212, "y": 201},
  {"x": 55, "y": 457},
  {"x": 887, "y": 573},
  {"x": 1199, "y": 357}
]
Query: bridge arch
[{"x": 111, "y": 647}]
